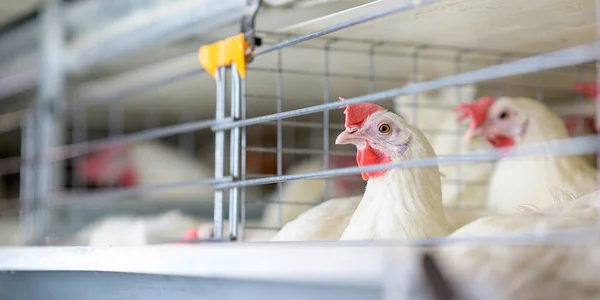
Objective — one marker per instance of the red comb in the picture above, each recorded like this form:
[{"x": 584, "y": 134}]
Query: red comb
[
  {"x": 357, "y": 113},
  {"x": 588, "y": 89},
  {"x": 191, "y": 234},
  {"x": 476, "y": 110}
]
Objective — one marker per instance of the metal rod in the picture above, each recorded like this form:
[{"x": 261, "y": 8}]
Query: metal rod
[
  {"x": 110, "y": 97},
  {"x": 27, "y": 192},
  {"x": 234, "y": 152},
  {"x": 68, "y": 151},
  {"x": 221, "y": 85},
  {"x": 331, "y": 75},
  {"x": 167, "y": 24},
  {"x": 564, "y": 147},
  {"x": 416, "y": 78},
  {"x": 79, "y": 136},
  {"x": 50, "y": 96},
  {"x": 326, "y": 99},
  {"x": 243, "y": 170},
  {"x": 562, "y": 58},
  {"x": 458, "y": 101},
  {"x": 372, "y": 66},
  {"x": 346, "y": 24},
  {"x": 279, "y": 108},
  {"x": 86, "y": 197},
  {"x": 296, "y": 151}
]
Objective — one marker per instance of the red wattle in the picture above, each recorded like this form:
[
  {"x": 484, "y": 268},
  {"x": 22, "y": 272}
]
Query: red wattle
[
  {"x": 501, "y": 141},
  {"x": 369, "y": 156},
  {"x": 129, "y": 178}
]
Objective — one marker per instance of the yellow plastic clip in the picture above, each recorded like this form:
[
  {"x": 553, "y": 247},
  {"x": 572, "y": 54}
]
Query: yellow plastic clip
[{"x": 224, "y": 53}]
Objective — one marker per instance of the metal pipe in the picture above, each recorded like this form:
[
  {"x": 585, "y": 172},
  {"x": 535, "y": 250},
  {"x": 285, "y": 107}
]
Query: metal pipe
[
  {"x": 83, "y": 197},
  {"x": 165, "y": 24},
  {"x": 221, "y": 86},
  {"x": 243, "y": 149},
  {"x": 27, "y": 192},
  {"x": 69, "y": 151},
  {"x": 562, "y": 58},
  {"x": 279, "y": 152},
  {"x": 234, "y": 151},
  {"x": 326, "y": 99},
  {"x": 564, "y": 147},
  {"x": 346, "y": 24},
  {"x": 50, "y": 96}
]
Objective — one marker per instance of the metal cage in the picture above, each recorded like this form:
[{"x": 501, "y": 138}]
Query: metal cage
[{"x": 287, "y": 88}]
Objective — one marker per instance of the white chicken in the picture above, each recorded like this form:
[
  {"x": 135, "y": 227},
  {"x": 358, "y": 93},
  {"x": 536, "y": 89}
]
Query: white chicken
[
  {"x": 543, "y": 271},
  {"x": 137, "y": 230},
  {"x": 464, "y": 184},
  {"x": 297, "y": 197},
  {"x": 145, "y": 164},
  {"x": 397, "y": 203},
  {"x": 528, "y": 180}
]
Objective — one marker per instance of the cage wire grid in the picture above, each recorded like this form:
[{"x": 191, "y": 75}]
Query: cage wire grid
[{"x": 491, "y": 70}]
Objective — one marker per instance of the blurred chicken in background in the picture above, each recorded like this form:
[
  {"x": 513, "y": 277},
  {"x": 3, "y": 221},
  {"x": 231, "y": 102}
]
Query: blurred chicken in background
[
  {"x": 464, "y": 184},
  {"x": 510, "y": 121},
  {"x": 145, "y": 164},
  {"x": 297, "y": 197}
]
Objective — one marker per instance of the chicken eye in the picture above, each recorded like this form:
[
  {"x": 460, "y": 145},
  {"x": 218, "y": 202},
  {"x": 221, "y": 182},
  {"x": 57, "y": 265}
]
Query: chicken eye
[
  {"x": 384, "y": 128},
  {"x": 503, "y": 115}
]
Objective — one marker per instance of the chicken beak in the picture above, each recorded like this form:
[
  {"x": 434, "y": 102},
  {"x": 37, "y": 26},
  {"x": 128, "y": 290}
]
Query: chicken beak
[{"x": 347, "y": 137}]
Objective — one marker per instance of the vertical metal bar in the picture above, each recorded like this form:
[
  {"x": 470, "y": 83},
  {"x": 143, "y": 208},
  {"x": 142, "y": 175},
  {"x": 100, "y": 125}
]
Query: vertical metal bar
[
  {"x": 79, "y": 135},
  {"x": 540, "y": 87},
  {"x": 50, "y": 96},
  {"x": 115, "y": 119},
  {"x": 243, "y": 157},
  {"x": 414, "y": 79},
  {"x": 458, "y": 88},
  {"x": 500, "y": 91},
  {"x": 219, "y": 150},
  {"x": 279, "y": 134},
  {"x": 234, "y": 152},
  {"x": 326, "y": 99},
  {"x": 372, "y": 66},
  {"x": 27, "y": 213},
  {"x": 187, "y": 141}
]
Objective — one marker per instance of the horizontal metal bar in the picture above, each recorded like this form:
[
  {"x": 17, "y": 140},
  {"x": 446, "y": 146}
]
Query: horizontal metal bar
[
  {"x": 321, "y": 74},
  {"x": 564, "y": 147},
  {"x": 61, "y": 198},
  {"x": 69, "y": 151},
  {"x": 300, "y": 124},
  {"x": 163, "y": 25},
  {"x": 297, "y": 151},
  {"x": 108, "y": 98},
  {"x": 346, "y": 24},
  {"x": 562, "y": 58}
]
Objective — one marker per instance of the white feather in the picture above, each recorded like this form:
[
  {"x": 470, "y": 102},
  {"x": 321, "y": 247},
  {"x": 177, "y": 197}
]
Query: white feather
[
  {"x": 462, "y": 184},
  {"x": 530, "y": 180}
]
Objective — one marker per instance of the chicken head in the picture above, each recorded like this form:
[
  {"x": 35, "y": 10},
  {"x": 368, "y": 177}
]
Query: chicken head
[
  {"x": 499, "y": 122},
  {"x": 107, "y": 167},
  {"x": 377, "y": 134}
]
